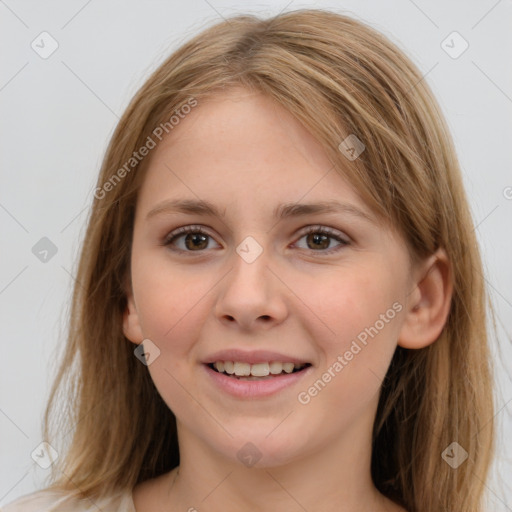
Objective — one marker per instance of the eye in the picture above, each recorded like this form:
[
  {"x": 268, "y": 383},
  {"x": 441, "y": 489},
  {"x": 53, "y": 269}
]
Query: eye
[
  {"x": 318, "y": 238},
  {"x": 195, "y": 239}
]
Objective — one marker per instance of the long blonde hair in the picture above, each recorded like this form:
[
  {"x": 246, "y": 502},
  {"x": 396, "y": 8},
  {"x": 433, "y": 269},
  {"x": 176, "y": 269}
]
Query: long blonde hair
[{"x": 338, "y": 77}]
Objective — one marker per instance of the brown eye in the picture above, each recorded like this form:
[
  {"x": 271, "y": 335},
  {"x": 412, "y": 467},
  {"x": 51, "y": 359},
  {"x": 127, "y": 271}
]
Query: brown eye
[
  {"x": 318, "y": 241},
  {"x": 320, "y": 238},
  {"x": 196, "y": 241},
  {"x": 188, "y": 239}
]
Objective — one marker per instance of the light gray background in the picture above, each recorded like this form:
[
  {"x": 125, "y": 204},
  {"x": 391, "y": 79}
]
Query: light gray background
[{"x": 58, "y": 114}]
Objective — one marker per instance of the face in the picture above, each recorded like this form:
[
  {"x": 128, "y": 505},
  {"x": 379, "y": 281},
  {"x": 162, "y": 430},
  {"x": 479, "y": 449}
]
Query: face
[{"x": 258, "y": 279}]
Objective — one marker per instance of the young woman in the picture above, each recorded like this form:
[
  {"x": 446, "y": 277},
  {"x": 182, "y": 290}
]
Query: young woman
[{"x": 280, "y": 303}]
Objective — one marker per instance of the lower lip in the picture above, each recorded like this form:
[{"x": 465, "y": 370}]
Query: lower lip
[{"x": 255, "y": 388}]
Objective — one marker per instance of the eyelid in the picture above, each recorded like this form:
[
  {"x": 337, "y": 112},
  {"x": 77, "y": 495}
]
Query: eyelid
[
  {"x": 191, "y": 228},
  {"x": 334, "y": 233},
  {"x": 342, "y": 238},
  {"x": 330, "y": 232}
]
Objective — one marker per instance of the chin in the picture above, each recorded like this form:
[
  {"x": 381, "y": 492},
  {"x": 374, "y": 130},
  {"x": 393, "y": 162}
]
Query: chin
[{"x": 260, "y": 450}]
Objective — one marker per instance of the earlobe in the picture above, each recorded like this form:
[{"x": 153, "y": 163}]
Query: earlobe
[
  {"x": 429, "y": 303},
  {"x": 131, "y": 325}
]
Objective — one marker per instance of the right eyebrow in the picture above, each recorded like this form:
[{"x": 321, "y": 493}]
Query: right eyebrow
[{"x": 191, "y": 206}]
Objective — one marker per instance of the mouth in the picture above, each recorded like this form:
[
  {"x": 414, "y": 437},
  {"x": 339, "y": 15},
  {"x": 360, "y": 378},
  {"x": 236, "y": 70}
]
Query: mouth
[
  {"x": 255, "y": 374},
  {"x": 267, "y": 370}
]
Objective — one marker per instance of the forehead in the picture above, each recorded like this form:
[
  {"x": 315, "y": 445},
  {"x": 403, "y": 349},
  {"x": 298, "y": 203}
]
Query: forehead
[{"x": 242, "y": 145}]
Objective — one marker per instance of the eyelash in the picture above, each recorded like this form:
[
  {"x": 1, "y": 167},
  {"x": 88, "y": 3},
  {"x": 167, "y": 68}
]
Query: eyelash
[{"x": 323, "y": 230}]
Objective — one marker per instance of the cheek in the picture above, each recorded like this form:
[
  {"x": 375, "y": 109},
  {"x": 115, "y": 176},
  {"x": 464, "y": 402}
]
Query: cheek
[
  {"x": 170, "y": 303},
  {"x": 172, "y": 307},
  {"x": 357, "y": 335},
  {"x": 350, "y": 304}
]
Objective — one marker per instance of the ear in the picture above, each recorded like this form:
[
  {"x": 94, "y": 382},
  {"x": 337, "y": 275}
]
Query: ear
[
  {"x": 429, "y": 302},
  {"x": 131, "y": 325}
]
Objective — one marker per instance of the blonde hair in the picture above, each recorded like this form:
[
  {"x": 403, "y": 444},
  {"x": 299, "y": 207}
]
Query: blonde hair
[{"x": 338, "y": 77}]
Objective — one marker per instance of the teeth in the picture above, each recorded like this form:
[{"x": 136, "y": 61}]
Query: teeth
[
  {"x": 256, "y": 370},
  {"x": 259, "y": 369},
  {"x": 276, "y": 368},
  {"x": 288, "y": 367},
  {"x": 229, "y": 367},
  {"x": 242, "y": 369}
]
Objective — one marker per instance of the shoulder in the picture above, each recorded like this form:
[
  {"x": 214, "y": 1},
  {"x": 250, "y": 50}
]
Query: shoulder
[{"x": 58, "y": 501}]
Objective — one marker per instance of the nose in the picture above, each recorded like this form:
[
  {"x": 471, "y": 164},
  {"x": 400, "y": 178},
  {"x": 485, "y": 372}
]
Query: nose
[{"x": 251, "y": 296}]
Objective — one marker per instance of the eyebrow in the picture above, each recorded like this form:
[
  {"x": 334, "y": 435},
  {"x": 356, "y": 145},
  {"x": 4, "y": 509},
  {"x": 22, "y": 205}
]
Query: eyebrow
[{"x": 282, "y": 211}]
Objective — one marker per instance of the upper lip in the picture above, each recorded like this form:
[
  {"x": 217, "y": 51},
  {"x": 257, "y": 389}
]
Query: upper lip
[{"x": 252, "y": 357}]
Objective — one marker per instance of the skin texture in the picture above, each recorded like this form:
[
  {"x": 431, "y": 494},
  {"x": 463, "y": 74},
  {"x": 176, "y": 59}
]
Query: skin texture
[{"x": 246, "y": 155}]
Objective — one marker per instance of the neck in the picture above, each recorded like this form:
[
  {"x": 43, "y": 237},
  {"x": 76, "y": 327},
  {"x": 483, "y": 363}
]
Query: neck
[{"x": 331, "y": 478}]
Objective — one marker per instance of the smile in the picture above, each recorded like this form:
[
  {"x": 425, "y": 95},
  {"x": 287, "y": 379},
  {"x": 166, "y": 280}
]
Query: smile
[
  {"x": 240, "y": 369},
  {"x": 256, "y": 380}
]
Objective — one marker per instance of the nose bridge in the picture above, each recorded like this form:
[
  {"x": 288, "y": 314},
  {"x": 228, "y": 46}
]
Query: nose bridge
[
  {"x": 250, "y": 291},
  {"x": 250, "y": 270}
]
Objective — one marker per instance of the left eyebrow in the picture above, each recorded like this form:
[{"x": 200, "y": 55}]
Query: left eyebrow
[
  {"x": 282, "y": 211},
  {"x": 287, "y": 210}
]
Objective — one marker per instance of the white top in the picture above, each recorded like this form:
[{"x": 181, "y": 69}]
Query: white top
[{"x": 53, "y": 501}]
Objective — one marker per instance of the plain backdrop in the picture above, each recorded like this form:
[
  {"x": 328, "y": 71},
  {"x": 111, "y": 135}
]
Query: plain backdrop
[{"x": 58, "y": 112}]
